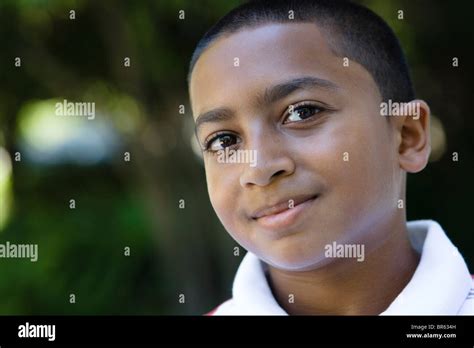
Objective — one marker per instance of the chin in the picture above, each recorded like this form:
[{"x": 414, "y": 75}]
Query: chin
[
  {"x": 297, "y": 264},
  {"x": 290, "y": 257}
]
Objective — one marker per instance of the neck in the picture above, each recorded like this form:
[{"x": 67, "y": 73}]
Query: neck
[{"x": 348, "y": 287}]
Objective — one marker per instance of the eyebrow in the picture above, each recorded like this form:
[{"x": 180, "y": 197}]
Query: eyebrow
[{"x": 271, "y": 95}]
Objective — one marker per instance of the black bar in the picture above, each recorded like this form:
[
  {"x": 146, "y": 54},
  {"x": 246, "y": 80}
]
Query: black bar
[{"x": 135, "y": 330}]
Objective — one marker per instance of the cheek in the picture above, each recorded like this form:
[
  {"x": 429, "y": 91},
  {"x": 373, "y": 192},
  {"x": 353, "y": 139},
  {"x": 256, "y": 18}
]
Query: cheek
[
  {"x": 370, "y": 167},
  {"x": 223, "y": 188},
  {"x": 361, "y": 172},
  {"x": 356, "y": 166}
]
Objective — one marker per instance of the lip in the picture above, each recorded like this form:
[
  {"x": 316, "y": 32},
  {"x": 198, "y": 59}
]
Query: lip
[{"x": 281, "y": 215}]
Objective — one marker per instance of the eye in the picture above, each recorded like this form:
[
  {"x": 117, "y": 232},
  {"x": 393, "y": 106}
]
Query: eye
[
  {"x": 302, "y": 112},
  {"x": 220, "y": 141}
]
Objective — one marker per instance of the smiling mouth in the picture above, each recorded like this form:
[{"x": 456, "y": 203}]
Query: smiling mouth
[{"x": 283, "y": 215}]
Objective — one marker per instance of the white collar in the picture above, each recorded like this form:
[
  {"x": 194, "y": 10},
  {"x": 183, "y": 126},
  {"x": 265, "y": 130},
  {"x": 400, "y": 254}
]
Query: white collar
[{"x": 439, "y": 285}]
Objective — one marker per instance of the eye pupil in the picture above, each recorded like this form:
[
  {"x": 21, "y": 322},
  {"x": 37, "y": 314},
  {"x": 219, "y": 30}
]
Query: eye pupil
[
  {"x": 222, "y": 141},
  {"x": 306, "y": 112},
  {"x": 226, "y": 140},
  {"x": 303, "y": 112}
]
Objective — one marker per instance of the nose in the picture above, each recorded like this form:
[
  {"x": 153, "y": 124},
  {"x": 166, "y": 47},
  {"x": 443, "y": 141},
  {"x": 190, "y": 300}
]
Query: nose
[{"x": 273, "y": 162}]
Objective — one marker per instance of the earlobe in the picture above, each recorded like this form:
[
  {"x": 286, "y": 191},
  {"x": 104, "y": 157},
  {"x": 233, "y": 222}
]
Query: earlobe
[{"x": 415, "y": 146}]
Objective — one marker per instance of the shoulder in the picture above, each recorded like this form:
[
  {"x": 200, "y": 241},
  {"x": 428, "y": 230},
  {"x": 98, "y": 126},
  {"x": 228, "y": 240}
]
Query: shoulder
[{"x": 468, "y": 305}]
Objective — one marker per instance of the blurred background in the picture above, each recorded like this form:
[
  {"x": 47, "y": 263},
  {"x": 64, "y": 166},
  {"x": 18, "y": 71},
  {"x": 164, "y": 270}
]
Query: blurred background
[{"x": 134, "y": 173}]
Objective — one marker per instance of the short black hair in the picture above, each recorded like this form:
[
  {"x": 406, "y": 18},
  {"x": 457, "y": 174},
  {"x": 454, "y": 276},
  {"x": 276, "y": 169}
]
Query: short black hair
[{"x": 351, "y": 30}]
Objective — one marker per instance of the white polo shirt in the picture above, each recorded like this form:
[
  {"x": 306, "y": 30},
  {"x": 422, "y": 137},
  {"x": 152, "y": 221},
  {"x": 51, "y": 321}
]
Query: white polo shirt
[{"x": 441, "y": 284}]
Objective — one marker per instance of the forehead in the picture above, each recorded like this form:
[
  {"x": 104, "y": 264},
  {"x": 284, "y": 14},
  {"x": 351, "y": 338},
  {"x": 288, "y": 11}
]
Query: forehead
[{"x": 240, "y": 65}]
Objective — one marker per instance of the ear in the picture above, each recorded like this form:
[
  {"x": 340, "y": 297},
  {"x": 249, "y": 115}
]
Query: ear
[{"x": 414, "y": 137}]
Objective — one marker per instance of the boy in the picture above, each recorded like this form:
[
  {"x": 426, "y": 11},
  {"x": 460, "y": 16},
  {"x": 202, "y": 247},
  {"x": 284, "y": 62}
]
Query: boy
[{"x": 319, "y": 90}]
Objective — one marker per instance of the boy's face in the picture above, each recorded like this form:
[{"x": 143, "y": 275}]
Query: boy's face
[{"x": 323, "y": 150}]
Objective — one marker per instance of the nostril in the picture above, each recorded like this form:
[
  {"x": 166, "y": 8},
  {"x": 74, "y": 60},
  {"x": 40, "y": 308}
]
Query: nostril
[{"x": 278, "y": 173}]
